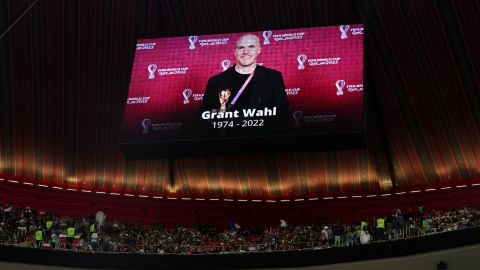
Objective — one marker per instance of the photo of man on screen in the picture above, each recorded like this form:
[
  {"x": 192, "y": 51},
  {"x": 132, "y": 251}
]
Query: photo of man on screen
[{"x": 247, "y": 89}]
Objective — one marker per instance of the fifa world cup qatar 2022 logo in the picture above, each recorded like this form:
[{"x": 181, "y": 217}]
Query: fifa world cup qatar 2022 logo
[
  {"x": 186, "y": 95},
  {"x": 301, "y": 58},
  {"x": 343, "y": 31},
  {"x": 340, "y": 84},
  {"x": 225, "y": 64},
  {"x": 151, "y": 70},
  {"x": 297, "y": 118},
  {"x": 192, "y": 40},
  {"x": 266, "y": 37},
  {"x": 146, "y": 123}
]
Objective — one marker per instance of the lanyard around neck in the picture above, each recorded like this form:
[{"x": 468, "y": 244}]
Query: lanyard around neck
[{"x": 241, "y": 89}]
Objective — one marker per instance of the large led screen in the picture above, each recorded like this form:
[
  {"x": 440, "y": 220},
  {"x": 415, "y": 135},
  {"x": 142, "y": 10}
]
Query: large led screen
[{"x": 264, "y": 84}]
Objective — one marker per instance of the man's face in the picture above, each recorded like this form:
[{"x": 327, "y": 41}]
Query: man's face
[{"x": 246, "y": 51}]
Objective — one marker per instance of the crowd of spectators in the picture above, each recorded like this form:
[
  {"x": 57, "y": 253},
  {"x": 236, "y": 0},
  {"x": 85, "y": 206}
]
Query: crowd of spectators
[{"x": 25, "y": 227}]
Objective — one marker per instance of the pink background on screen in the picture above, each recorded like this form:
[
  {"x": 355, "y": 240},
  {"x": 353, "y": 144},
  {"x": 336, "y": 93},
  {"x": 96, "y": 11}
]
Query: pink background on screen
[{"x": 317, "y": 94}]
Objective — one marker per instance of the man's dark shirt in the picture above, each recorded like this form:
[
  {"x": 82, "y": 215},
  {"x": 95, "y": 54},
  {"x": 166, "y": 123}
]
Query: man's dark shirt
[
  {"x": 266, "y": 89},
  {"x": 337, "y": 230}
]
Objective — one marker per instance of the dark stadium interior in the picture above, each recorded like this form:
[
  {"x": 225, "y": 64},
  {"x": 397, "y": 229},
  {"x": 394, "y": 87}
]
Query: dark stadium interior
[{"x": 64, "y": 78}]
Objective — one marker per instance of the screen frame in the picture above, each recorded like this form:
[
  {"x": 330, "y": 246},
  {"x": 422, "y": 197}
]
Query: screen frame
[{"x": 290, "y": 143}]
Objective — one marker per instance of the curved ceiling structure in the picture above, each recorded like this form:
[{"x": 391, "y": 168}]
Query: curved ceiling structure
[{"x": 64, "y": 77}]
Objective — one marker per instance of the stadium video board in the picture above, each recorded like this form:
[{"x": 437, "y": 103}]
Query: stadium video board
[{"x": 224, "y": 92}]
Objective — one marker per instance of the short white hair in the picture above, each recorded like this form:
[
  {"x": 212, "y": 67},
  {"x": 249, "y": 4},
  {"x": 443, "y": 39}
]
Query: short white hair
[{"x": 257, "y": 40}]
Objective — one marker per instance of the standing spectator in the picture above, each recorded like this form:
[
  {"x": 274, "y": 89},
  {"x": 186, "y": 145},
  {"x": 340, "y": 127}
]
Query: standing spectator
[
  {"x": 54, "y": 241},
  {"x": 27, "y": 213},
  {"x": 233, "y": 225},
  {"x": 325, "y": 236},
  {"x": 408, "y": 217},
  {"x": 350, "y": 236},
  {"x": 364, "y": 237},
  {"x": 421, "y": 210},
  {"x": 22, "y": 230},
  {"x": 380, "y": 229},
  {"x": 283, "y": 224},
  {"x": 39, "y": 238},
  {"x": 70, "y": 236},
  {"x": 94, "y": 241},
  {"x": 389, "y": 223},
  {"x": 7, "y": 211},
  {"x": 48, "y": 224},
  {"x": 337, "y": 233},
  {"x": 425, "y": 226},
  {"x": 399, "y": 224},
  {"x": 363, "y": 225},
  {"x": 100, "y": 218}
]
